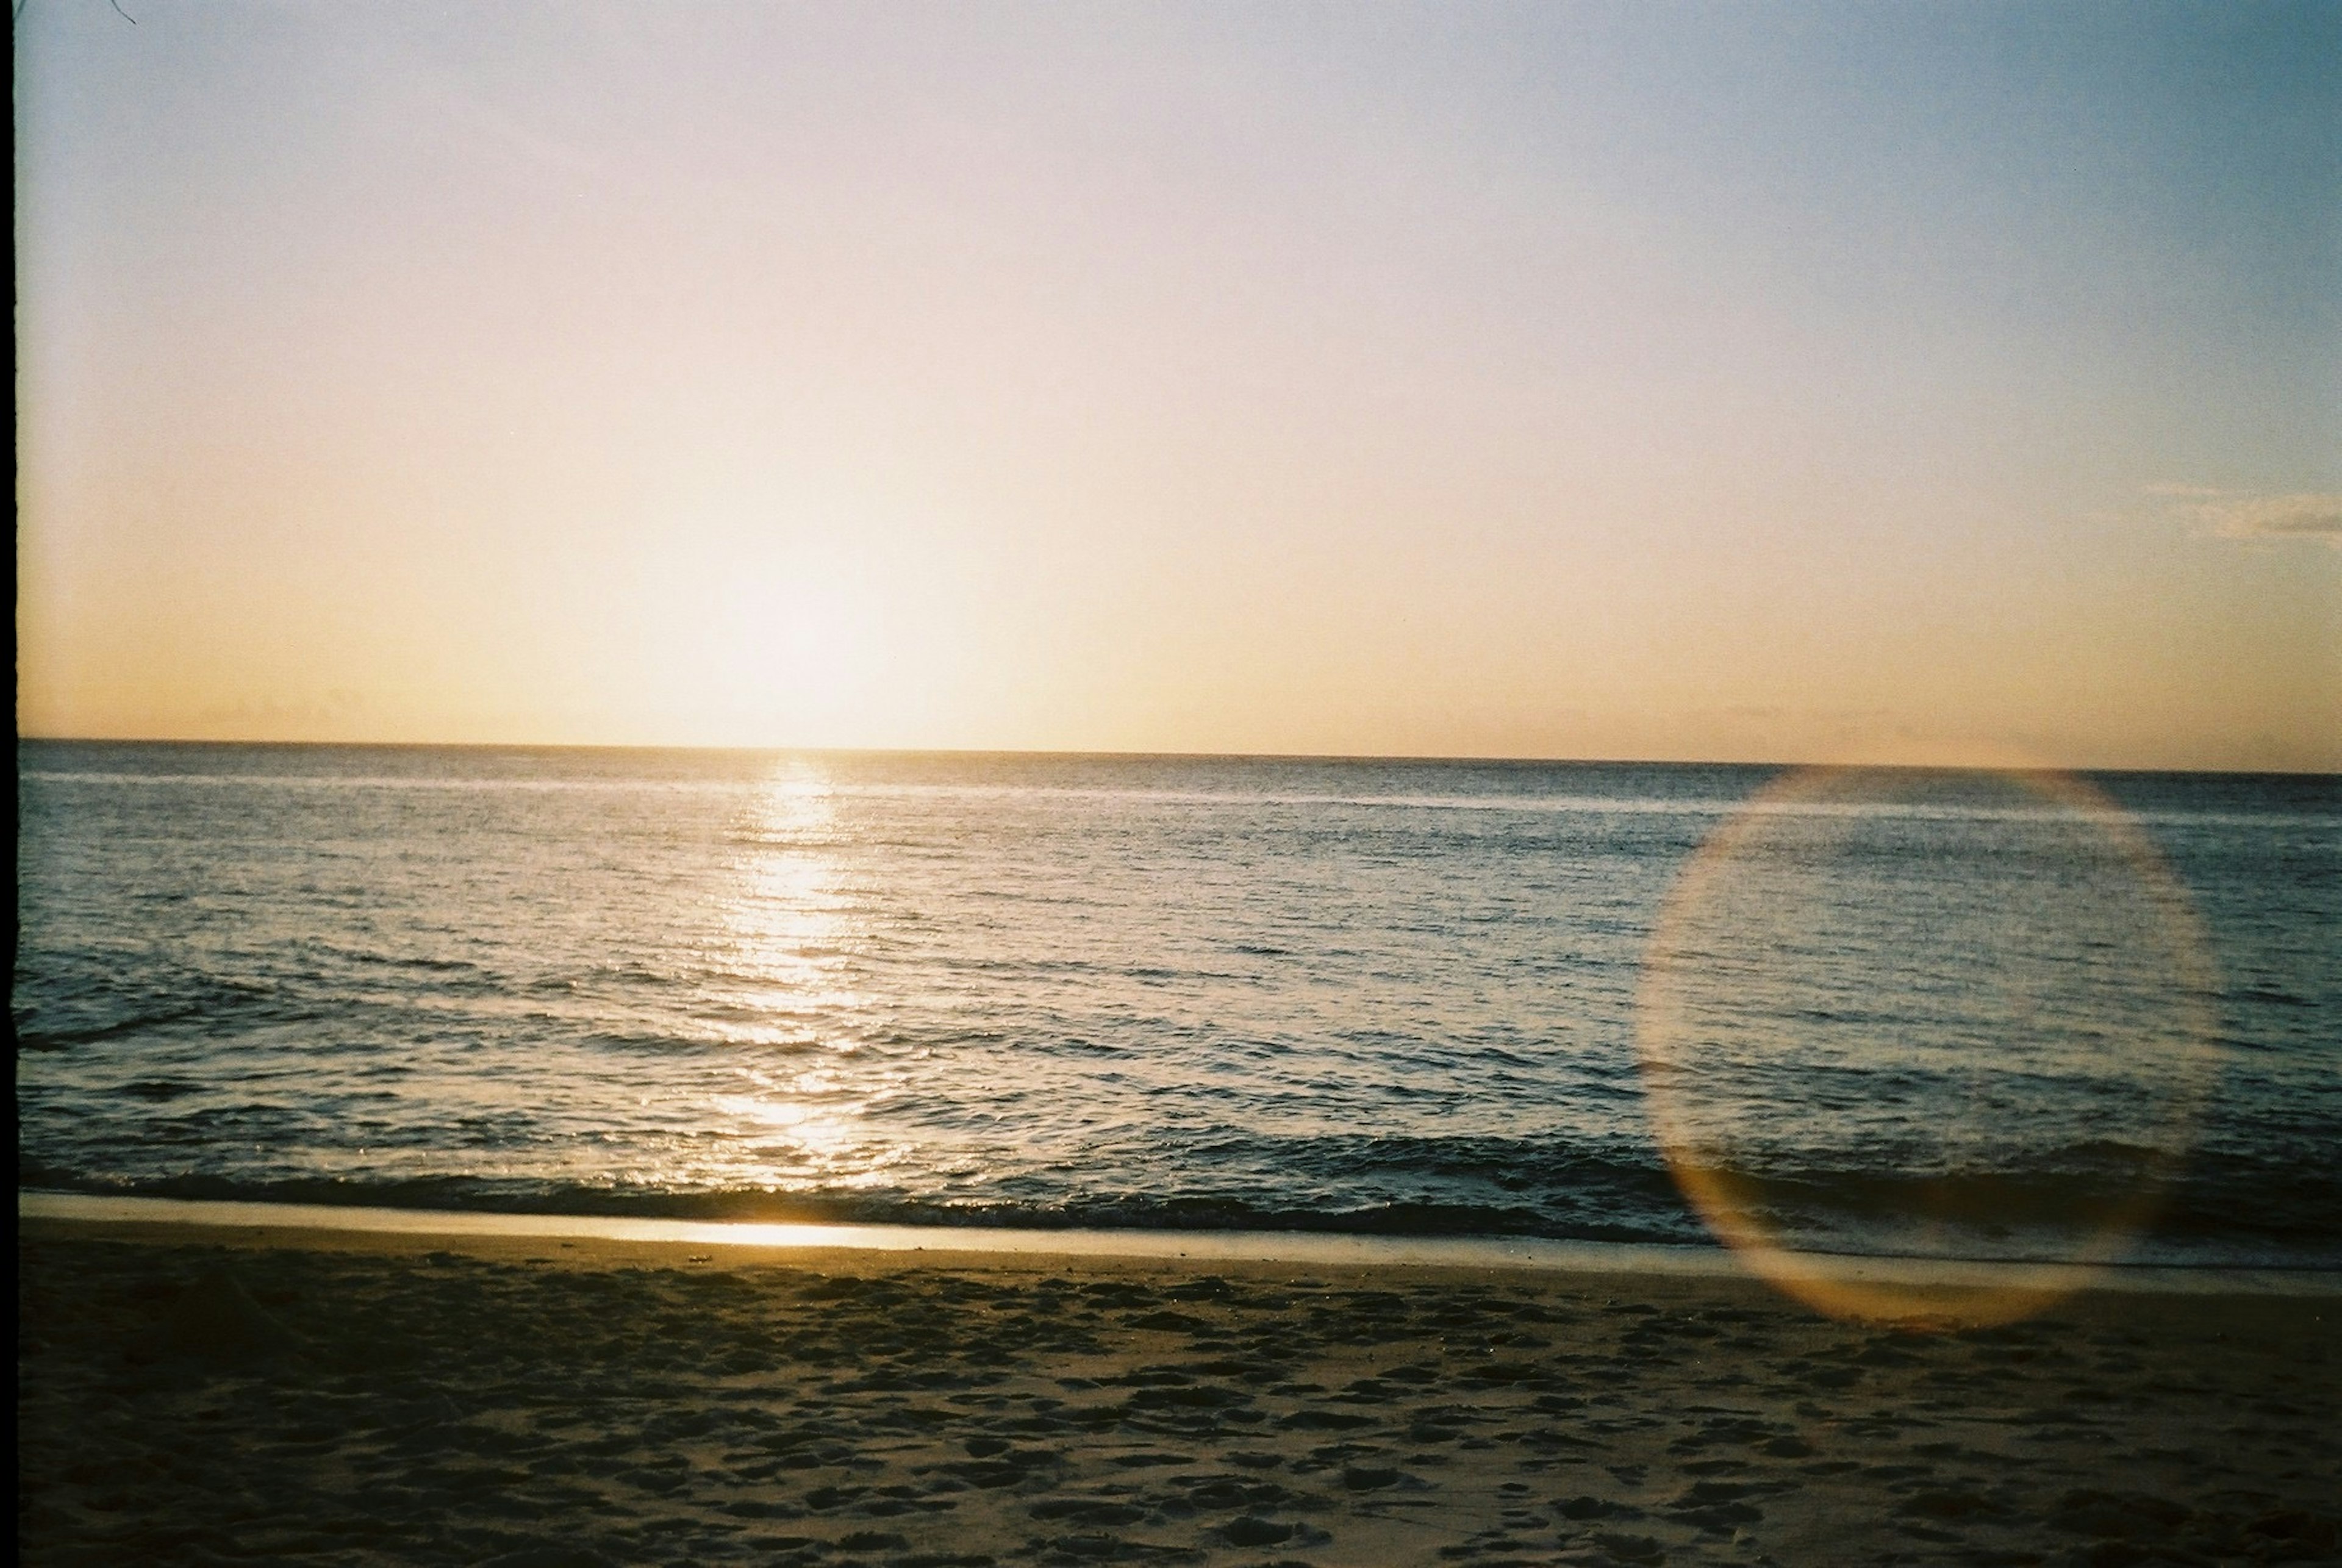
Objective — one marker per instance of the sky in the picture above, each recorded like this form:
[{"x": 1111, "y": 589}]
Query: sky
[{"x": 1806, "y": 383}]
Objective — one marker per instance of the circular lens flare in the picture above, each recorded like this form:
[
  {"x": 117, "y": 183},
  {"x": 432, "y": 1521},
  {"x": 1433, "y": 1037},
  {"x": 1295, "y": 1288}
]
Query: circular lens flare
[{"x": 1932, "y": 1015}]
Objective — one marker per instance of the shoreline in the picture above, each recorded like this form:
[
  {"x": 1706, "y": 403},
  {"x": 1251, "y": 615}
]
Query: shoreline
[{"x": 1527, "y": 1255}]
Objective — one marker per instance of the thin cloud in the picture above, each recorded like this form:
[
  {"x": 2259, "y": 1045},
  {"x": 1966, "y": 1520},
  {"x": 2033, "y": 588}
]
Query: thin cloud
[{"x": 2241, "y": 514}]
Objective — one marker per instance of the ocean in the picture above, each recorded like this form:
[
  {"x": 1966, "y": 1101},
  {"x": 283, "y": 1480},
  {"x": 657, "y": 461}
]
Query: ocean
[{"x": 1965, "y": 1015}]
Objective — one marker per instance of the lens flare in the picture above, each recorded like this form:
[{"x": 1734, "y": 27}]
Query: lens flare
[{"x": 1926, "y": 1015}]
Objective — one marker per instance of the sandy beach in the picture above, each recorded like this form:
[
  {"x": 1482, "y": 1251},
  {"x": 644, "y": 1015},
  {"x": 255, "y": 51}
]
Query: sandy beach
[{"x": 200, "y": 1395}]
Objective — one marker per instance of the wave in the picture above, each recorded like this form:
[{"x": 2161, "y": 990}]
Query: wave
[
  {"x": 2230, "y": 1207},
  {"x": 93, "y": 1015}
]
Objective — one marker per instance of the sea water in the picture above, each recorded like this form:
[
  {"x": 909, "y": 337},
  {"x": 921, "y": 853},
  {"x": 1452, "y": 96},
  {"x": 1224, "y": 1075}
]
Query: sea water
[{"x": 1399, "y": 998}]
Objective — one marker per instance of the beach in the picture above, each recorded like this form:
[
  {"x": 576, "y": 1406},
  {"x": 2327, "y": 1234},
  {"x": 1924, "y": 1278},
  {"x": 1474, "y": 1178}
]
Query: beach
[{"x": 191, "y": 1394}]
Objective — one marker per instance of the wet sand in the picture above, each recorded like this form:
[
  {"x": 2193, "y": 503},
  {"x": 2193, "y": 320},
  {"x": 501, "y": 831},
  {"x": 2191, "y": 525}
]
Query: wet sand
[{"x": 196, "y": 1395}]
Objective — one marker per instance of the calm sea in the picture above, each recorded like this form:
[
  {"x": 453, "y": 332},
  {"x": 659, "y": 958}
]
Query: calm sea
[{"x": 1959, "y": 1013}]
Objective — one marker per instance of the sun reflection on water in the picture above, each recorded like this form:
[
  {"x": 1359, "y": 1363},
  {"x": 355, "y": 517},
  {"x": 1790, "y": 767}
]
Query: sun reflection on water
[
  {"x": 791, "y": 919},
  {"x": 792, "y": 933}
]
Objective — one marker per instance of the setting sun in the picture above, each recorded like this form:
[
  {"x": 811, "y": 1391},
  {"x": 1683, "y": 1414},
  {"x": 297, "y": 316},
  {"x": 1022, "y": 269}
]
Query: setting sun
[
  {"x": 1543, "y": 385},
  {"x": 1017, "y": 784}
]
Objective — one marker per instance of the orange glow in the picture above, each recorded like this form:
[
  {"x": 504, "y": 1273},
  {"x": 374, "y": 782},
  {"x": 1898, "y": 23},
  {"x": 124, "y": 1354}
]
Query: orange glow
[{"x": 1201, "y": 380}]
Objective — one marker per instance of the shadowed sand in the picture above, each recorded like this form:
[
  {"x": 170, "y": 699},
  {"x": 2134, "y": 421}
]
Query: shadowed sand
[{"x": 195, "y": 1394}]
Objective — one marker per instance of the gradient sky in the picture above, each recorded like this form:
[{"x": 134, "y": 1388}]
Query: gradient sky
[{"x": 1898, "y": 383}]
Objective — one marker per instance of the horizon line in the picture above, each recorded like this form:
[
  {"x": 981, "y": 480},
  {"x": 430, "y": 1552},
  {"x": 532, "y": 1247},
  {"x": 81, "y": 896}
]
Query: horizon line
[{"x": 1143, "y": 756}]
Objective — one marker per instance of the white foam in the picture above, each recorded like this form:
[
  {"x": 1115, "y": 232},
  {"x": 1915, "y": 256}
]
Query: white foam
[{"x": 1521, "y": 1252}]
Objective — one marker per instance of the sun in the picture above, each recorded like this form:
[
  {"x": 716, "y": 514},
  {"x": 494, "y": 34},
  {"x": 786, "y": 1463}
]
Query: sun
[{"x": 775, "y": 652}]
